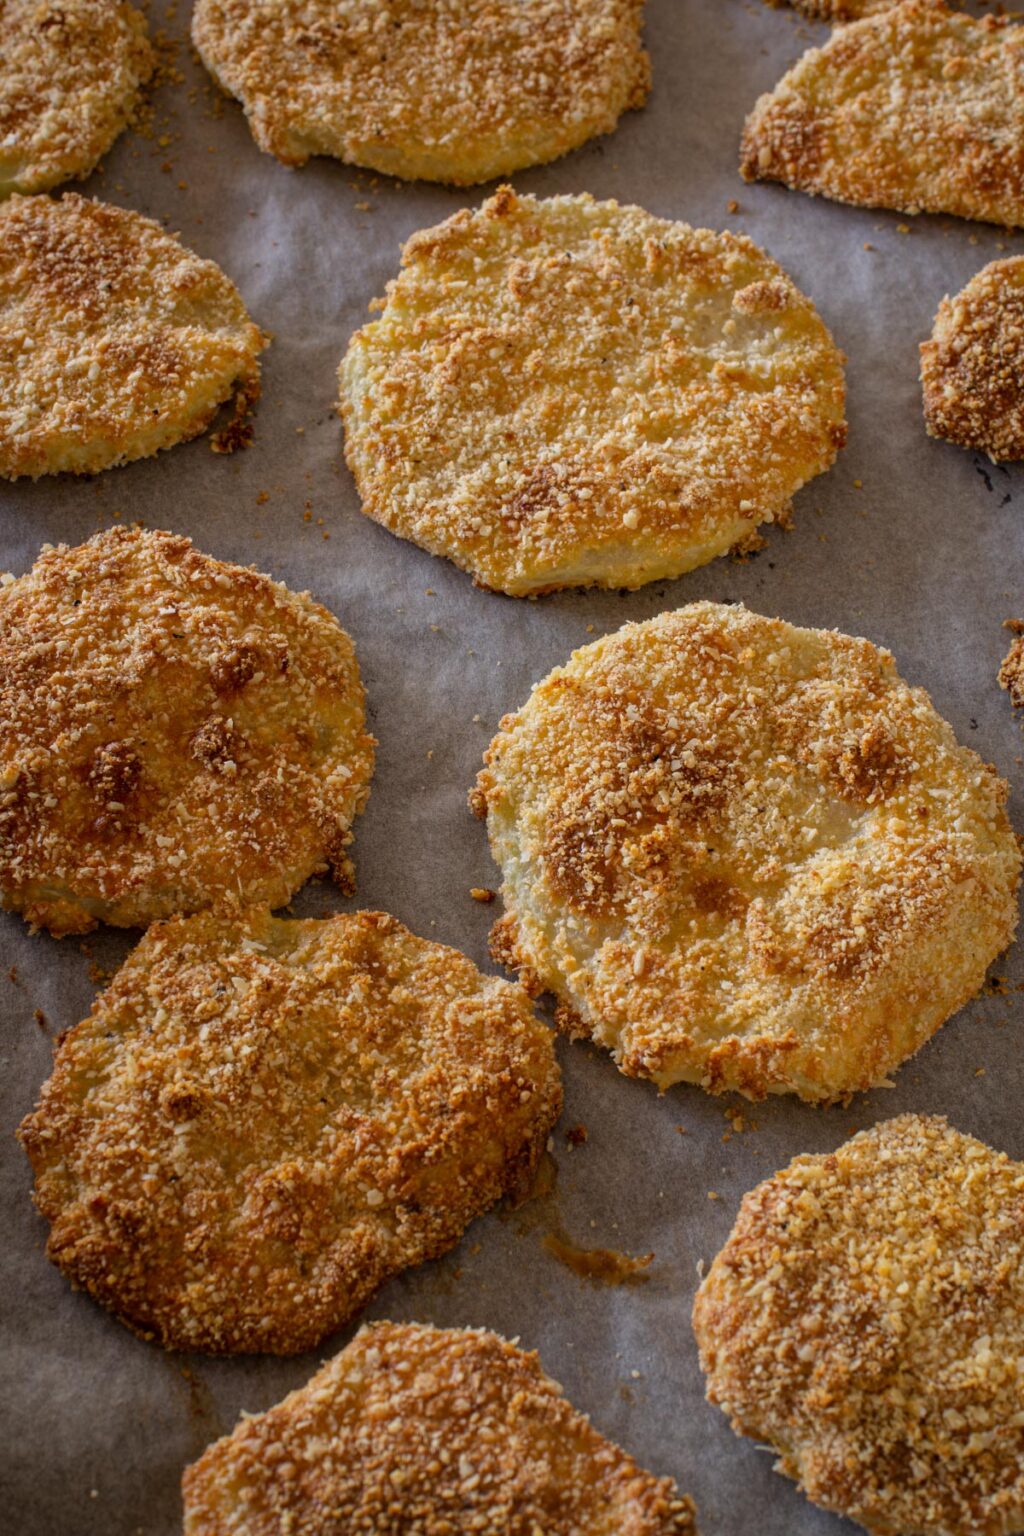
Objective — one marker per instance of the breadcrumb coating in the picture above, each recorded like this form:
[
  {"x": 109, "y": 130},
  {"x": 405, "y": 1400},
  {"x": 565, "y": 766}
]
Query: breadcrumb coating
[
  {"x": 174, "y": 732},
  {"x": 972, "y": 370},
  {"x": 865, "y": 1319},
  {"x": 917, "y": 108},
  {"x": 746, "y": 855},
  {"x": 565, "y": 392},
  {"x": 115, "y": 341},
  {"x": 262, "y": 1120},
  {"x": 420, "y": 1431},
  {"x": 457, "y": 91},
  {"x": 1011, "y": 673},
  {"x": 70, "y": 79}
]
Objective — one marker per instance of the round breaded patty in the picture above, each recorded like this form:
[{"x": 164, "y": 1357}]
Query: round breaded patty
[
  {"x": 174, "y": 732},
  {"x": 262, "y": 1120},
  {"x": 746, "y": 855},
  {"x": 972, "y": 369},
  {"x": 419, "y": 1431},
  {"x": 866, "y": 1320},
  {"x": 456, "y": 91},
  {"x": 115, "y": 341},
  {"x": 571, "y": 393},
  {"x": 70, "y": 79}
]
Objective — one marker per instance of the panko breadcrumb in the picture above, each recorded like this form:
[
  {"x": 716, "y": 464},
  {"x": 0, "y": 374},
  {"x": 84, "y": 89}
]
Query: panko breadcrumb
[
  {"x": 972, "y": 369},
  {"x": 1011, "y": 673},
  {"x": 746, "y": 855},
  {"x": 917, "y": 108},
  {"x": 69, "y": 82},
  {"x": 457, "y": 91},
  {"x": 563, "y": 392},
  {"x": 420, "y": 1431},
  {"x": 866, "y": 1320},
  {"x": 174, "y": 732},
  {"x": 262, "y": 1120},
  {"x": 115, "y": 340}
]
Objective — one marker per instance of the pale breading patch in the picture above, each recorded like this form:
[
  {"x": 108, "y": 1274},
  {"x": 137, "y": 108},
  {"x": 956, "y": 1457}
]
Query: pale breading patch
[
  {"x": 70, "y": 77},
  {"x": 746, "y": 855},
  {"x": 457, "y": 91},
  {"x": 917, "y": 108},
  {"x": 115, "y": 340},
  {"x": 972, "y": 370},
  {"x": 263, "y": 1120},
  {"x": 420, "y": 1431},
  {"x": 564, "y": 392},
  {"x": 174, "y": 732},
  {"x": 866, "y": 1320}
]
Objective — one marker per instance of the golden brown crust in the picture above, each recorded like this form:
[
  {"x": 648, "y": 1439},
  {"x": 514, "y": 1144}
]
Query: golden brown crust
[
  {"x": 174, "y": 732},
  {"x": 1011, "y": 673},
  {"x": 746, "y": 855},
  {"x": 458, "y": 91},
  {"x": 572, "y": 393},
  {"x": 917, "y": 108},
  {"x": 115, "y": 341},
  {"x": 70, "y": 79},
  {"x": 262, "y": 1120},
  {"x": 865, "y": 1319},
  {"x": 420, "y": 1431},
  {"x": 972, "y": 370}
]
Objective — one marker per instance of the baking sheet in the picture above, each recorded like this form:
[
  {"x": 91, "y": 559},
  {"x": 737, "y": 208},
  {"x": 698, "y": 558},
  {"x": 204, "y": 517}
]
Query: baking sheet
[{"x": 911, "y": 542}]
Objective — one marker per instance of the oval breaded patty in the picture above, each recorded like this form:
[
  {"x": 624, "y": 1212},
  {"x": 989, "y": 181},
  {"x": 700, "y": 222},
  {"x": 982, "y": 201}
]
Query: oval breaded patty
[
  {"x": 972, "y": 369},
  {"x": 419, "y": 1431},
  {"x": 70, "y": 78},
  {"x": 262, "y": 1120},
  {"x": 570, "y": 393},
  {"x": 866, "y": 1320},
  {"x": 115, "y": 340},
  {"x": 917, "y": 108},
  {"x": 456, "y": 91},
  {"x": 746, "y": 855},
  {"x": 174, "y": 732}
]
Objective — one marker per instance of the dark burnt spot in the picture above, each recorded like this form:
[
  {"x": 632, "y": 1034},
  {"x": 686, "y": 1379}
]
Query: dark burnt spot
[
  {"x": 233, "y": 668},
  {"x": 719, "y": 898},
  {"x": 869, "y": 767},
  {"x": 115, "y": 771},
  {"x": 213, "y": 742},
  {"x": 182, "y": 1100}
]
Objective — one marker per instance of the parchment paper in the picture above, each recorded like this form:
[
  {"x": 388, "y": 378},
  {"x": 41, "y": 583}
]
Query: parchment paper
[{"x": 910, "y": 542}]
